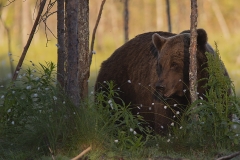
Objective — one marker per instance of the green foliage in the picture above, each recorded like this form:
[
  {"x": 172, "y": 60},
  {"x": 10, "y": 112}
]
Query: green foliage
[
  {"x": 217, "y": 111},
  {"x": 33, "y": 117},
  {"x": 119, "y": 121}
]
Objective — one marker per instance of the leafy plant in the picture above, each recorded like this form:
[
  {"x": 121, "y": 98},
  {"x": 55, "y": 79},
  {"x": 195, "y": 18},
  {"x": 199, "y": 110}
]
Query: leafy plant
[
  {"x": 33, "y": 115},
  {"x": 218, "y": 111}
]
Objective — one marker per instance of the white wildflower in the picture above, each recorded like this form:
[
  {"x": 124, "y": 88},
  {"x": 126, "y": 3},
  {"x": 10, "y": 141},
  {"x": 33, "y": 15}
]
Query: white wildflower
[
  {"x": 134, "y": 132},
  {"x": 20, "y": 76},
  {"x": 162, "y": 127},
  {"x": 2, "y": 96},
  {"x": 138, "y": 107},
  {"x": 172, "y": 124},
  {"x": 152, "y": 103},
  {"x": 177, "y": 112},
  {"x": 64, "y": 102},
  {"x": 197, "y": 93},
  {"x": 179, "y": 80},
  {"x": 141, "y": 105},
  {"x": 9, "y": 110},
  {"x": 12, "y": 122},
  {"x": 129, "y": 81},
  {"x": 165, "y": 107},
  {"x": 181, "y": 127},
  {"x": 93, "y": 52},
  {"x": 54, "y": 98},
  {"x": 104, "y": 82},
  {"x": 35, "y": 95},
  {"x": 137, "y": 112},
  {"x": 150, "y": 108},
  {"x": 175, "y": 105},
  {"x": 37, "y": 78},
  {"x": 168, "y": 140},
  {"x": 131, "y": 130},
  {"x": 116, "y": 141},
  {"x": 13, "y": 92},
  {"x": 1, "y": 86},
  {"x": 200, "y": 97},
  {"x": 118, "y": 88},
  {"x": 184, "y": 90},
  {"x": 139, "y": 83},
  {"x": 28, "y": 87},
  {"x": 46, "y": 89}
]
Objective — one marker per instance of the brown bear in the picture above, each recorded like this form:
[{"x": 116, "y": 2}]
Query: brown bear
[{"x": 152, "y": 72}]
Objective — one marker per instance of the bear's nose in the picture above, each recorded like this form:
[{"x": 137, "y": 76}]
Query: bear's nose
[{"x": 159, "y": 87}]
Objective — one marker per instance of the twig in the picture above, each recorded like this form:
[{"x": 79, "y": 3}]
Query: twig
[
  {"x": 229, "y": 156},
  {"x": 82, "y": 153},
  {"x": 94, "y": 32},
  {"x": 42, "y": 4},
  {"x": 51, "y": 153}
]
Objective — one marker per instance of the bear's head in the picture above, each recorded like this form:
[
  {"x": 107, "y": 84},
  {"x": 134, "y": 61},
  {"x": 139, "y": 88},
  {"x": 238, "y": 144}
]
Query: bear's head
[{"x": 173, "y": 61}]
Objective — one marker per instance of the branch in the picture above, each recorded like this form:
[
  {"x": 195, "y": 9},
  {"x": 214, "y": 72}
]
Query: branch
[
  {"x": 229, "y": 156},
  {"x": 94, "y": 32},
  {"x": 42, "y": 4},
  {"x": 82, "y": 153},
  {"x": 9, "y": 2}
]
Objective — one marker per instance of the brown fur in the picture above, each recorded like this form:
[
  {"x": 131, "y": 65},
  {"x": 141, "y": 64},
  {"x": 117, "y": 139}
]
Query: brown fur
[{"x": 157, "y": 65}]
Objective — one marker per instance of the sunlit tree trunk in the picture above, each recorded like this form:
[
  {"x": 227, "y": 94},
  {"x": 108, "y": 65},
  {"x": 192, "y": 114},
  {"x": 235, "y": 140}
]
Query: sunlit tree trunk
[
  {"x": 193, "y": 50},
  {"x": 83, "y": 46},
  {"x": 159, "y": 13}
]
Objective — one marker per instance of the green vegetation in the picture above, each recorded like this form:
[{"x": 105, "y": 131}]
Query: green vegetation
[{"x": 38, "y": 121}]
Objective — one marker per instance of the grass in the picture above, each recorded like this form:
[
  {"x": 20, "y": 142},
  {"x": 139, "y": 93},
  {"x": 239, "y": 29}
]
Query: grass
[
  {"x": 86, "y": 126},
  {"x": 38, "y": 122}
]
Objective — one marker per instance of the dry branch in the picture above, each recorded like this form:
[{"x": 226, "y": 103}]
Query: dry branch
[
  {"x": 42, "y": 4},
  {"x": 82, "y": 153},
  {"x": 229, "y": 156}
]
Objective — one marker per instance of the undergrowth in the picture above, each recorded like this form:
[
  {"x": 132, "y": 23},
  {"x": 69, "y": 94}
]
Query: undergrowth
[{"x": 37, "y": 120}]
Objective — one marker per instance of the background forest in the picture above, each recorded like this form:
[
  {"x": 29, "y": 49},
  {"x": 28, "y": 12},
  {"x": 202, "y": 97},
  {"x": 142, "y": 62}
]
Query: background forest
[{"x": 219, "y": 18}]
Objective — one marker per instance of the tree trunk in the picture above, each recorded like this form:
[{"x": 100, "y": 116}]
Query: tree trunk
[
  {"x": 168, "y": 16},
  {"x": 193, "y": 50},
  {"x": 126, "y": 18},
  {"x": 61, "y": 45},
  {"x": 83, "y": 37},
  {"x": 72, "y": 74}
]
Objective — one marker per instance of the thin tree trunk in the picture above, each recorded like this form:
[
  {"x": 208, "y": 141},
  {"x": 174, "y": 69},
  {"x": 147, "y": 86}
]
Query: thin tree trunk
[
  {"x": 126, "y": 19},
  {"x": 72, "y": 86},
  {"x": 83, "y": 37},
  {"x": 61, "y": 45},
  {"x": 168, "y": 16},
  {"x": 193, "y": 50}
]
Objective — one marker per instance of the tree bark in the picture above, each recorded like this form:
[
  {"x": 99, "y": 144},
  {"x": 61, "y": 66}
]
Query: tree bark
[
  {"x": 72, "y": 74},
  {"x": 168, "y": 16},
  {"x": 60, "y": 42},
  {"x": 126, "y": 19},
  {"x": 83, "y": 36},
  {"x": 192, "y": 51}
]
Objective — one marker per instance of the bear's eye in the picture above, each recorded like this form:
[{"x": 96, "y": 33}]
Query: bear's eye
[{"x": 174, "y": 65}]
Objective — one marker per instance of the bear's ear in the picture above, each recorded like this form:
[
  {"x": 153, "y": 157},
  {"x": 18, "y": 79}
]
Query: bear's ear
[
  {"x": 202, "y": 37},
  {"x": 158, "y": 41}
]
